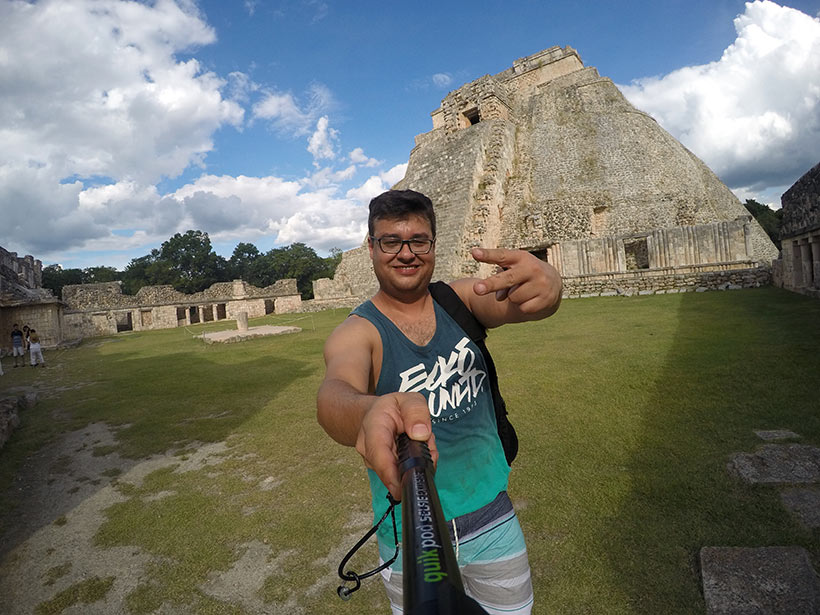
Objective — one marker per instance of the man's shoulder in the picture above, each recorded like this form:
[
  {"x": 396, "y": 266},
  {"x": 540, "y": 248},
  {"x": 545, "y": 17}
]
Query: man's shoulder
[{"x": 355, "y": 328}]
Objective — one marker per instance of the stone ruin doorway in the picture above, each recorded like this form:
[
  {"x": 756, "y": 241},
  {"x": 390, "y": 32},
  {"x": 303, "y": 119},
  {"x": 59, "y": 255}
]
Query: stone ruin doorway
[
  {"x": 541, "y": 254},
  {"x": 124, "y": 322},
  {"x": 146, "y": 319},
  {"x": 269, "y": 307},
  {"x": 221, "y": 312},
  {"x": 470, "y": 117},
  {"x": 637, "y": 253},
  {"x": 193, "y": 314}
]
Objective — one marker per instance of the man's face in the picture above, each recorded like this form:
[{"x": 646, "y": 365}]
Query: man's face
[{"x": 405, "y": 272}]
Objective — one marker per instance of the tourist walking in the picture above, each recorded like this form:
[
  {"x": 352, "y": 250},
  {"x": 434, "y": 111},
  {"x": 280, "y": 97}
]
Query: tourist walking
[
  {"x": 18, "y": 345},
  {"x": 34, "y": 347}
]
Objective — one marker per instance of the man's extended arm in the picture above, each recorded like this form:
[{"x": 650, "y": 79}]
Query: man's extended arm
[
  {"x": 353, "y": 417},
  {"x": 525, "y": 289}
]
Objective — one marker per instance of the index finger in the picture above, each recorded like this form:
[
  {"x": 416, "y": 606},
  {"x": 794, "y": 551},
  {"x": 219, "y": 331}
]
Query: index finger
[{"x": 496, "y": 256}]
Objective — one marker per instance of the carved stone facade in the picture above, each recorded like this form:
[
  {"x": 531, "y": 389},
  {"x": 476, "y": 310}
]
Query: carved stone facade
[
  {"x": 549, "y": 156},
  {"x": 102, "y": 309},
  {"x": 799, "y": 266}
]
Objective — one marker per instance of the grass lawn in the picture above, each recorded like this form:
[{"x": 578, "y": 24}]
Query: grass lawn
[{"x": 627, "y": 409}]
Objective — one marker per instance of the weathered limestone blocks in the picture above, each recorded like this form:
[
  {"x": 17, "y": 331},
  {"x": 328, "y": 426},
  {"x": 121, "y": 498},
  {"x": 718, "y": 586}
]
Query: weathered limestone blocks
[
  {"x": 764, "y": 581},
  {"x": 770, "y": 580},
  {"x": 778, "y": 464},
  {"x": 664, "y": 281},
  {"x": 24, "y": 270},
  {"x": 798, "y": 268},
  {"x": 801, "y": 204}
]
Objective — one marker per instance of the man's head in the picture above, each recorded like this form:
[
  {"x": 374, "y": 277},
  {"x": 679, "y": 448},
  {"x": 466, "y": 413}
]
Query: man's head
[
  {"x": 402, "y": 242},
  {"x": 399, "y": 205}
]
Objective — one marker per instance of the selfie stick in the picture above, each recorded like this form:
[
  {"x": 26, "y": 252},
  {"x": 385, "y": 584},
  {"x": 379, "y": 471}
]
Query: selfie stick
[{"x": 432, "y": 582}]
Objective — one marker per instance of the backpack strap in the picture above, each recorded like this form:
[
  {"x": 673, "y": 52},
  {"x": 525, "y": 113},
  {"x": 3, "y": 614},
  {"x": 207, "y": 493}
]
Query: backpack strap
[{"x": 447, "y": 298}]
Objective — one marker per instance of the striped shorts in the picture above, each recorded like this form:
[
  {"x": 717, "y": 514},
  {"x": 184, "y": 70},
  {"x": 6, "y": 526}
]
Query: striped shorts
[{"x": 492, "y": 559}]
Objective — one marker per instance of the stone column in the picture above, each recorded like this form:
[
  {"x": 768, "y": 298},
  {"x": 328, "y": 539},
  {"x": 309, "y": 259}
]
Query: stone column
[
  {"x": 815, "y": 255},
  {"x": 805, "y": 254},
  {"x": 242, "y": 321},
  {"x": 795, "y": 264}
]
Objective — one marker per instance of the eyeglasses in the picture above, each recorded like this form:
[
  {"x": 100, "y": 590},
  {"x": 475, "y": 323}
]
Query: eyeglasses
[{"x": 394, "y": 245}]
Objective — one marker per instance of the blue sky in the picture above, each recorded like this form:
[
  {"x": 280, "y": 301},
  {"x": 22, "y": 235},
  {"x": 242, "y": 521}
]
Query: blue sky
[{"x": 271, "y": 122}]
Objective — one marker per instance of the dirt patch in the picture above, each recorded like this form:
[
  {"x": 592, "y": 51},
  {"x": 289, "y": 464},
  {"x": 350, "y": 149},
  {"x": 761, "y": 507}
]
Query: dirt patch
[{"x": 62, "y": 493}]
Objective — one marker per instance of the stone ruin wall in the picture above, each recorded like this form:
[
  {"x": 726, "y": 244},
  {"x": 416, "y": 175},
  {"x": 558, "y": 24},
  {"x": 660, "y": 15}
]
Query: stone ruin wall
[
  {"x": 549, "y": 153},
  {"x": 23, "y": 300},
  {"x": 798, "y": 269},
  {"x": 102, "y": 309},
  {"x": 24, "y": 270}
]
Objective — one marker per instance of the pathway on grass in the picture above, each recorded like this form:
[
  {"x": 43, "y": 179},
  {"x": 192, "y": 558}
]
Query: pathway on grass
[{"x": 769, "y": 580}]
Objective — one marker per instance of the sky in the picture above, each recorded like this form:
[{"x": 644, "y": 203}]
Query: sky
[{"x": 276, "y": 121}]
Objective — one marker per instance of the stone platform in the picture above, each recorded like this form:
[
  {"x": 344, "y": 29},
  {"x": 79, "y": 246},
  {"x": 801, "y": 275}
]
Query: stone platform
[{"x": 235, "y": 335}]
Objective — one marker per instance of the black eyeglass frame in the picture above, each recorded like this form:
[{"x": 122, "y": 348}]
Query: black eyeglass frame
[{"x": 409, "y": 242}]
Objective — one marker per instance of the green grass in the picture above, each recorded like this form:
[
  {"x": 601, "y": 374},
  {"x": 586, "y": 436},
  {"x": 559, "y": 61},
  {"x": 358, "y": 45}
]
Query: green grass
[
  {"x": 627, "y": 411},
  {"x": 87, "y": 592}
]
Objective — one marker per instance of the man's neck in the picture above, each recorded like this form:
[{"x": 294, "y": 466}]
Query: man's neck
[
  {"x": 414, "y": 317},
  {"x": 406, "y": 306}
]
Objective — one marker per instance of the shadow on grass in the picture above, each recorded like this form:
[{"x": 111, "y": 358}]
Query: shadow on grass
[{"x": 737, "y": 362}]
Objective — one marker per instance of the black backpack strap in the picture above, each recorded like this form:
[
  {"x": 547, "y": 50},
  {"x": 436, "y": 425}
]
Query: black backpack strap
[{"x": 446, "y": 297}]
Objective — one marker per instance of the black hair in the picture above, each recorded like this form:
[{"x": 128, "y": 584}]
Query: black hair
[{"x": 400, "y": 204}]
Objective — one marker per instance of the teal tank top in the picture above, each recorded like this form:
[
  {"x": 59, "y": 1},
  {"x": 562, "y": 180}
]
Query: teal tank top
[{"x": 450, "y": 372}]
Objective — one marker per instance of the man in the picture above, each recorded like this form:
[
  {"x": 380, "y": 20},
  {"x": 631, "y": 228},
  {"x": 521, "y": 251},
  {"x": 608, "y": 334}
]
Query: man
[
  {"x": 18, "y": 345},
  {"x": 400, "y": 363}
]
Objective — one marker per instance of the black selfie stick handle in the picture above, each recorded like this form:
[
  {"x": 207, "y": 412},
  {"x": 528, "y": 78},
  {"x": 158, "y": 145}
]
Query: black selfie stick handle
[{"x": 432, "y": 582}]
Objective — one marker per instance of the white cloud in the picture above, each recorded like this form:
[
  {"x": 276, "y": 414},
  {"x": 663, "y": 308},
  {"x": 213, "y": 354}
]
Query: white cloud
[
  {"x": 376, "y": 184},
  {"x": 754, "y": 115},
  {"x": 92, "y": 89},
  {"x": 357, "y": 156},
  {"x": 287, "y": 115},
  {"x": 96, "y": 110},
  {"x": 442, "y": 80},
  {"x": 321, "y": 142}
]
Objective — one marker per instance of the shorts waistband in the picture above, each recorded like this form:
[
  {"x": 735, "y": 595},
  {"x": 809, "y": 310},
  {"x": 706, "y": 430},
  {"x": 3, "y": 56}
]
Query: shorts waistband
[{"x": 500, "y": 508}]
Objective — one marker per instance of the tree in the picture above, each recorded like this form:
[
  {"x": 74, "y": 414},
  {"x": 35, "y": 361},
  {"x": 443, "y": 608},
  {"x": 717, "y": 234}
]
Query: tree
[
  {"x": 55, "y": 277},
  {"x": 770, "y": 219},
  {"x": 100, "y": 274},
  {"x": 241, "y": 263},
  {"x": 192, "y": 261},
  {"x": 294, "y": 261}
]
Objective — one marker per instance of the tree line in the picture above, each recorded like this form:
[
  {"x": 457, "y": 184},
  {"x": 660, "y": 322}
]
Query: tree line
[
  {"x": 189, "y": 264},
  {"x": 770, "y": 219}
]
